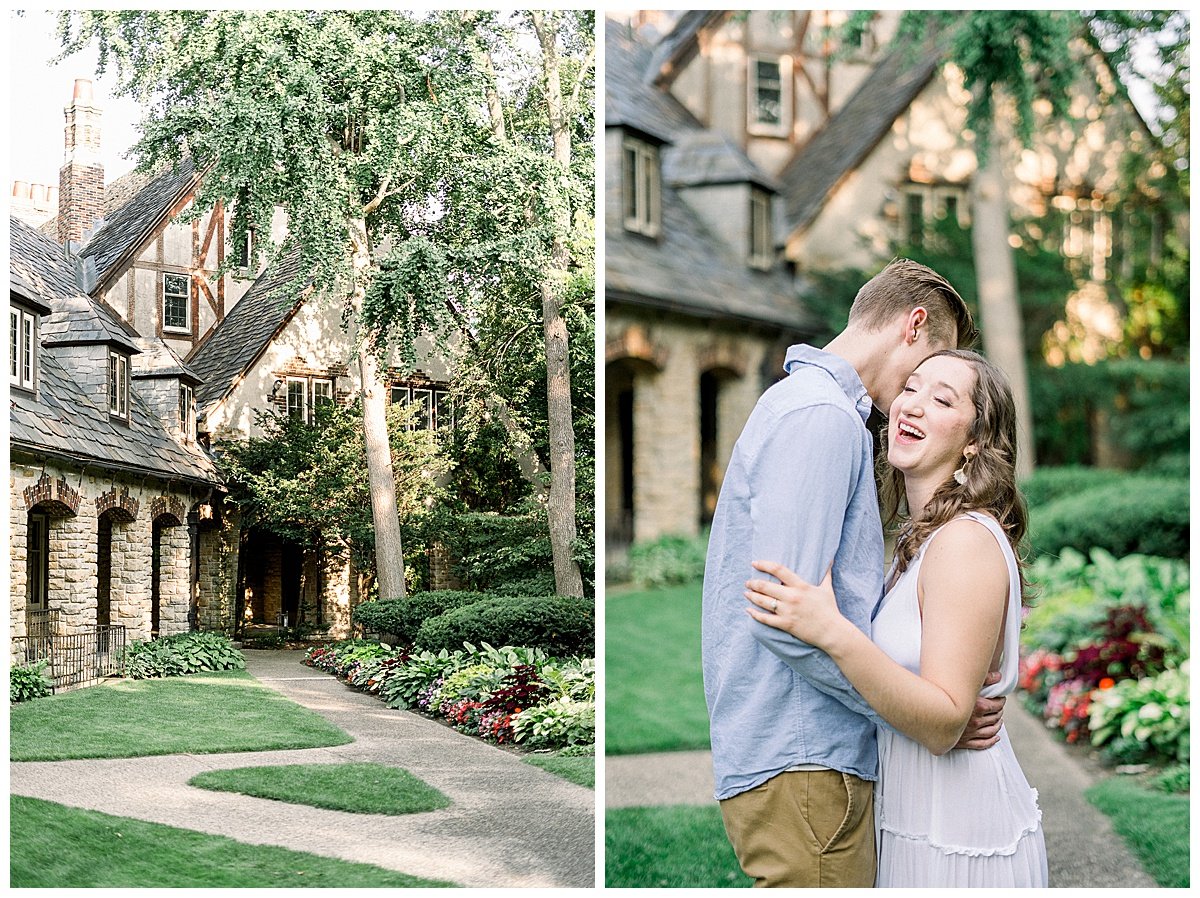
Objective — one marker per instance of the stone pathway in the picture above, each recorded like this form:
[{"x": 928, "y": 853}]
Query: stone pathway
[
  {"x": 510, "y": 824},
  {"x": 1083, "y": 849}
]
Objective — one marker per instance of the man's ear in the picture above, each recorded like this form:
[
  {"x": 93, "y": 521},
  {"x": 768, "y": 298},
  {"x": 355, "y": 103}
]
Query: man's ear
[{"x": 914, "y": 324}]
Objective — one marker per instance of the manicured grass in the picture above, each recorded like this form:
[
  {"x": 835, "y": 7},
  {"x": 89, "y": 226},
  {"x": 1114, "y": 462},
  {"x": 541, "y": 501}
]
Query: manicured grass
[
  {"x": 1154, "y": 825},
  {"x": 202, "y": 713},
  {"x": 655, "y": 691},
  {"x": 53, "y": 846},
  {"x": 581, "y": 771},
  {"x": 358, "y": 788},
  {"x": 674, "y": 847}
]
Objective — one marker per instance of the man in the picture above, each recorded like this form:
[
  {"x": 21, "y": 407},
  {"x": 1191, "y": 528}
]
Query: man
[{"x": 793, "y": 743}]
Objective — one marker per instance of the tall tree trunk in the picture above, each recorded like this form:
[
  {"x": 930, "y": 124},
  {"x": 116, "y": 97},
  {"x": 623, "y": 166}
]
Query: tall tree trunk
[
  {"x": 389, "y": 552},
  {"x": 561, "y": 507},
  {"x": 996, "y": 278}
]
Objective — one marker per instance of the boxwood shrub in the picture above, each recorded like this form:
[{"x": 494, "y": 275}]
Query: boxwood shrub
[
  {"x": 402, "y": 618},
  {"x": 1134, "y": 515},
  {"x": 559, "y": 625}
]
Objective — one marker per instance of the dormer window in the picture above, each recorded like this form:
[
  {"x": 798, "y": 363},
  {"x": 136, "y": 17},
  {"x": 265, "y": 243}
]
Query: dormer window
[
  {"x": 22, "y": 345},
  {"x": 118, "y": 385},
  {"x": 176, "y": 302},
  {"x": 641, "y": 190},
  {"x": 761, "y": 244},
  {"x": 769, "y": 100},
  {"x": 187, "y": 411}
]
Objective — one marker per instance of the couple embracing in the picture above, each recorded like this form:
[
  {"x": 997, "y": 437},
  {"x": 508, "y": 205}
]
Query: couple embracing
[{"x": 856, "y": 713}]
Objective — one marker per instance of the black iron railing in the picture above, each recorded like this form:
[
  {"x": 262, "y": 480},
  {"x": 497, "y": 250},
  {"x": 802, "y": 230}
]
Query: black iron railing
[{"x": 73, "y": 659}]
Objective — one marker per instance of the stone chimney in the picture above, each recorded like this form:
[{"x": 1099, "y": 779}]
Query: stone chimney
[{"x": 81, "y": 179}]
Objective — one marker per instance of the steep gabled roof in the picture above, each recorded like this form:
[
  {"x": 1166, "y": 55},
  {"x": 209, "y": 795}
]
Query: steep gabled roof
[
  {"x": 628, "y": 101},
  {"x": 125, "y": 231},
  {"x": 854, "y": 131},
  {"x": 688, "y": 269},
  {"x": 40, "y": 263},
  {"x": 247, "y": 329},
  {"x": 60, "y": 419},
  {"x": 157, "y": 359},
  {"x": 680, "y": 44}
]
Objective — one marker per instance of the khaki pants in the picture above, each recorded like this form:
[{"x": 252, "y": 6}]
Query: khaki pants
[{"x": 808, "y": 829}]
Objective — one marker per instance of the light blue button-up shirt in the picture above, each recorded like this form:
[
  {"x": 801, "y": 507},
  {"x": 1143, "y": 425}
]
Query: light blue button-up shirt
[{"x": 799, "y": 490}]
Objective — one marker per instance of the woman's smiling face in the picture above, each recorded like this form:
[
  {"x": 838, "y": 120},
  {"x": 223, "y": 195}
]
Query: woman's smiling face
[{"x": 929, "y": 424}]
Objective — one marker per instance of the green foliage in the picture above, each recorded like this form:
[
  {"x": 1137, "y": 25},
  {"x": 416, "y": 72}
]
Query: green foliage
[
  {"x": 184, "y": 653},
  {"x": 497, "y": 553},
  {"x": 1174, "y": 780},
  {"x": 1047, "y": 483},
  {"x": 668, "y": 560},
  {"x": 1152, "y": 712},
  {"x": 1138, "y": 515},
  {"x": 563, "y": 721},
  {"x": 559, "y": 625},
  {"x": 28, "y": 681},
  {"x": 1143, "y": 405},
  {"x": 308, "y": 482},
  {"x": 402, "y": 618}
]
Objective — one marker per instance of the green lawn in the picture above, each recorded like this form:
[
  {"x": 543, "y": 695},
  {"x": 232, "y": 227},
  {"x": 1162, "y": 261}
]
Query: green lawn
[
  {"x": 358, "y": 788},
  {"x": 53, "y": 846},
  {"x": 581, "y": 771},
  {"x": 1153, "y": 824},
  {"x": 655, "y": 693},
  {"x": 201, "y": 713},
  {"x": 673, "y": 847}
]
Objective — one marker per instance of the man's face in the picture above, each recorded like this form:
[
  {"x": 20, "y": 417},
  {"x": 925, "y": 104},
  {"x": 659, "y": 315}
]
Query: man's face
[{"x": 906, "y": 358}]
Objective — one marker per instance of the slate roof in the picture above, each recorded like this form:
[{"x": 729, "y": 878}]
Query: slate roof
[
  {"x": 41, "y": 263},
  {"x": 854, "y": 131},
  {"x": 116, "y": 194},
  {"x": 60, "y": 419},
  {"x": 157, "y": 359},
  {"x": 126, "y": 229},
  {"x": 679, "y": 41},
  {"x": 687, "y": 269},
  {"x": 709, "y": 157},
  {"x": 246, "y": 330}
]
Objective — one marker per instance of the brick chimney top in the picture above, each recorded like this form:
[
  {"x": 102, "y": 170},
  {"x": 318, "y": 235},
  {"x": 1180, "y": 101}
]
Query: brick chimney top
[
  {"x": 81, "y": 179},
  {"x": 83, "y": 91}
]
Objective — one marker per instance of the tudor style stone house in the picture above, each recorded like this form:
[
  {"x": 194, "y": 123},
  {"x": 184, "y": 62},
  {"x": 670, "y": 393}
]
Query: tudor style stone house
[
  {"x": 130, "y": 360},
  {"x": 740, "y": 157}
]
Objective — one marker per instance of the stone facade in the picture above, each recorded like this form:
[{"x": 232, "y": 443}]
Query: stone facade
[
  {"x": 658, "y": 363},
  {"x": 73, "y": 579},
  {"x": 218, "y": 548}
]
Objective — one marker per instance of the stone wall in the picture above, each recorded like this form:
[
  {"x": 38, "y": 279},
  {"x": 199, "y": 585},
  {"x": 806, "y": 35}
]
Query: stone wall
[
  {"x": 216, "y": 587},
  {"x": 667, "y": 356},
  {"x": 74, "y": 543}
]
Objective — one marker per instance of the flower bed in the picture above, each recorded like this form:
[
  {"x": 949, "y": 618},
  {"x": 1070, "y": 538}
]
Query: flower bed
[
  {"x": 1105, "y": 654},
  {"x": 505, "y": 696}
]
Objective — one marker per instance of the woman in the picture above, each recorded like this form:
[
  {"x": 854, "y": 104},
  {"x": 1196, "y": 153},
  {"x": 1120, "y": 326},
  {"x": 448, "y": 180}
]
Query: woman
[{"x": 951, "y": 613}]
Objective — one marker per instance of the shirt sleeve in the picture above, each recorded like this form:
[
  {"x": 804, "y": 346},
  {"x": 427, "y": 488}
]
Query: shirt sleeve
[{"x": 802, "y": 480}]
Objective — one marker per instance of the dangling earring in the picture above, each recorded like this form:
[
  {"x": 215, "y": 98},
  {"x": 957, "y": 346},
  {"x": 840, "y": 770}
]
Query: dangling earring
[{"x": 960, "y": 476}]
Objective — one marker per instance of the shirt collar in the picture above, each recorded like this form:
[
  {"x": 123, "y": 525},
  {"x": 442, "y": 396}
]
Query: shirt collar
[{"x": 842, "y": 372}]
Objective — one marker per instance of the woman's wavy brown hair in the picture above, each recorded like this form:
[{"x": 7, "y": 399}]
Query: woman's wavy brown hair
[{"x": 991, "y": 485}]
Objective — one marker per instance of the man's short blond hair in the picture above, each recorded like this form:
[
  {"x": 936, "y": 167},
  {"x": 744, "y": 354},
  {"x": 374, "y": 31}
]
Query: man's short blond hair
[{"x": 902, "y": 286}]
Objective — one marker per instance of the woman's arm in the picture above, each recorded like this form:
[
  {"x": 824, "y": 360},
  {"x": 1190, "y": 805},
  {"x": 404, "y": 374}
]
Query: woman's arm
[{"x": 963, "y": 587}]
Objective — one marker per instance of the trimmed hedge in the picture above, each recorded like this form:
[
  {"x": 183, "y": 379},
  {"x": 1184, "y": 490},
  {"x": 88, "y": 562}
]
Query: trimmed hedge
[
  {"x": 559, "y": 625},
  {"x": 1135, "y": 515},
  {"x": 1047, "y": 484},
  {"x": 402, "y": 618}
]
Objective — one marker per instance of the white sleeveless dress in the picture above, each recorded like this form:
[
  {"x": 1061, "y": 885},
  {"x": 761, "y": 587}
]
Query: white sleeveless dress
[{"x": 966, "y": 818}]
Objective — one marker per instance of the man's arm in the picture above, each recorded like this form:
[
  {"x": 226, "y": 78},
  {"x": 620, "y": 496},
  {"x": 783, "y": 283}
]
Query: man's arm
[{"x": 801, "y": 481}]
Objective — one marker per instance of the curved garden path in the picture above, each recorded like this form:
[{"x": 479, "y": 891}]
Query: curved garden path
[{"x": 510, "y": 824}]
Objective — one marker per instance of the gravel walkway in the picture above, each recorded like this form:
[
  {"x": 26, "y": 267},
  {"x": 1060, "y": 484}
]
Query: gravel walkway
[
  {"x": 510, "y": 824},
  {"x": 1083, "y": 850}
]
